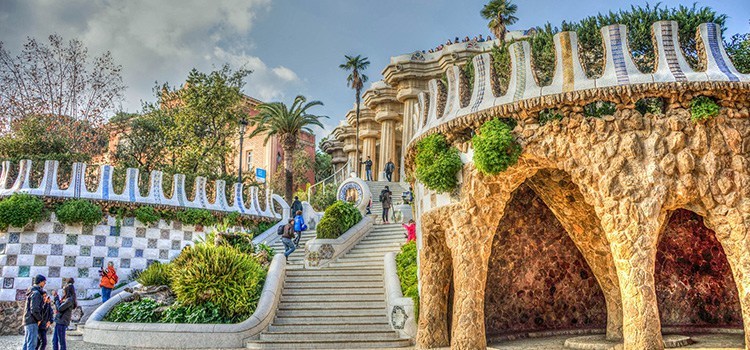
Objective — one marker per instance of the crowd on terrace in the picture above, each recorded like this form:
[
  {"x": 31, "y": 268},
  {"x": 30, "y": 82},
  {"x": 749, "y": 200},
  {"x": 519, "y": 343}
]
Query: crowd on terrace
[{"x": 466, "y": 39}]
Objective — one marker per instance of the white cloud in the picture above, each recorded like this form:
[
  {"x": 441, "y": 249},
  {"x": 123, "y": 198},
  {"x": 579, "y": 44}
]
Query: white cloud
[{"x": 154, "y": 40}]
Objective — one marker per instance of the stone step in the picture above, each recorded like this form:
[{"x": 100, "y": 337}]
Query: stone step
[
  {"x": 348, "y": 344},
  {"x": 362, "y": 260},
  {"x": 331, "y": 334},
  {"x": 381, "y": 241},
  {"x": 337, "y": 321},
  {"x": 332, "y": 285},
  {"x": 324, "y": 328},
  {"x": 334, "y": 279},
  {"x": 332, "y": 305},
  {"x": 326, "y": 313},
  {"x": 324, "y": 272},
  {"x": 379, "y": 297},
  {"x": 335, "y": 291}
]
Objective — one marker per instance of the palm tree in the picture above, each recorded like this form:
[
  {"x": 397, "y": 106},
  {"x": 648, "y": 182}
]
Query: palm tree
[
  {"x": 276, "y": 119},
  {"x": 500, "y": 13},
  {"x": 356, "y": 80}
]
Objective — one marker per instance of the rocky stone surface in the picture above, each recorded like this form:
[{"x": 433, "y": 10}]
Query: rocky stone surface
[{"x": 11, "y": 317}]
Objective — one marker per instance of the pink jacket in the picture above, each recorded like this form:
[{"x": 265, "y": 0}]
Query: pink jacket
[{"x": 411, "y": 232}]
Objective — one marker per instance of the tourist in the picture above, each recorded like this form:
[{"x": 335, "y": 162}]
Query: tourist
[
  {"x": 287, "y": 237},
  {"x": 299, "y": 226},
  {"x": 64, "y": 307},
  {"x": 47, "y": 317},
  {"x": 411, "y": 231},
  {"x": 481, "y": 39},
  {"x": 466, "y": 39},
  {"x": 449, "y": 43},
  {"x": 32, "y": 315},
  {"x": 108, "y": 281},
  {"x": 389, "y": 168},
  {"x": 296, "y": 205},
  {"x": 368, "y": 168},
  {"x": 456, "y": 41},
  {"x": 369, "y": 206},
  {"x": 386, "y": 200},
  {"x": 489, "y": 38}
]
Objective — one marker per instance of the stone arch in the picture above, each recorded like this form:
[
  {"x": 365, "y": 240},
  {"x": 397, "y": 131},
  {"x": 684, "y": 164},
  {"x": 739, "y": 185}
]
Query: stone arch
[{"x": 693, "y": 280}]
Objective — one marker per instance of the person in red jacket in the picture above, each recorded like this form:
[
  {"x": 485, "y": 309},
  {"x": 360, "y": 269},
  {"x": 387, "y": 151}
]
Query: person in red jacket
[
  {"x": 108, "y": 281},
  {"x": 411, "y": 231}
]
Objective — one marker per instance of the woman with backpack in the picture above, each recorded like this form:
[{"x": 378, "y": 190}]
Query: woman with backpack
[
  {"x": 386, "y": 200},
  {"x": 64, "y": 312}
]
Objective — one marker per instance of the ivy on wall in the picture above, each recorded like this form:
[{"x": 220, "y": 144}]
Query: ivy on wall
[
  {"x": 495, "y": 147},
  {"x": 437, "y": 163}
]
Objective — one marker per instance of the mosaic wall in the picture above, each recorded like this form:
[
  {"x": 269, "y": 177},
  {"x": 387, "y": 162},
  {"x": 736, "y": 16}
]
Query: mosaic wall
[
  {"x": 537, "y": 279},
  {"x": 694, "y": 283},
  {"x": 59, "y": 251}
]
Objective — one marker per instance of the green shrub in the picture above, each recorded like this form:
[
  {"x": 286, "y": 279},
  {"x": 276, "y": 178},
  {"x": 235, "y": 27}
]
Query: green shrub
[
  {"x": 220, "y": 275},
  {"x": 653, "y": 105},
  {"x": 437, "y": 163},
  {"x": 79, "y": 211},
  {"x": 549, "y": 115},
  {"x": 338, "y": 218},
  {"x": 495, "y": 148},
  {"x": 196, "y": 217},
  {"x": 265, "y": 247},
  {"x": 157, "y": 274},
  {"x": 406, "y": 269},
  {"x": 599, "y": 108},
  {"x": 322, "y": 199},
  {"x": 147, "y": 215},
  {"x": 203, "y": 313},
  {"x": 19, "y": 210},
  {"x": 703, "y": 108},
  {"x": 141, "y": 311}
]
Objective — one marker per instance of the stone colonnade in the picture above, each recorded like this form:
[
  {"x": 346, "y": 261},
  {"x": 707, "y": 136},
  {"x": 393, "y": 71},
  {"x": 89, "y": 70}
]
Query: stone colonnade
[{"x": 611, "y": 183}]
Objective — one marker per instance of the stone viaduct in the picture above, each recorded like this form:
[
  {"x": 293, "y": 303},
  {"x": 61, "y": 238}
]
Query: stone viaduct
[{"x": 611, "y": 182}]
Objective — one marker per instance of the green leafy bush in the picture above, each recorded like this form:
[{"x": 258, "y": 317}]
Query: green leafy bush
[
  {"x": 221, "y": 275},
  {"x": 437, "y": 163},
  {"x": 549, "y": 115},
  {"x": 653, "y": 105},
  {"x": 147, "y": 215},
  {"x": 19, "y": 210},
  {"x": 265, "y": 247},
  {"x": 322, "y": 199},
  {"x": 495, "y": 148},
  {"x": 141, "y": 311},
  {"x": 703, "y": 108},
  {"x": 196, "y": 217},
  {"x": 157, "y": 274},
  {"x": 79, "y": 211},
  {"x": 203, "y": 313},
  {"x": 599, "y": 108},
  {"x": 406, "y": 269},
  {"x": 338, "y": 218}
]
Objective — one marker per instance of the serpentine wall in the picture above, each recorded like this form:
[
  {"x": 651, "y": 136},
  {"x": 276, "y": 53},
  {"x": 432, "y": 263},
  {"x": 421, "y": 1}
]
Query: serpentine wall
[{"x": 612, "y": 183}]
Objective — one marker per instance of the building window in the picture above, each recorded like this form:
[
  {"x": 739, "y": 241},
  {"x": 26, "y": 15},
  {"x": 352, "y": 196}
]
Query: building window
[{"x": 249, "y": 159}]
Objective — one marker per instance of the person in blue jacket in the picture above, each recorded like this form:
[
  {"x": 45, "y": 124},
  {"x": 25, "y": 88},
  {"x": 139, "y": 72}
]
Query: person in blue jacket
[{"x": 299, "y": 226}]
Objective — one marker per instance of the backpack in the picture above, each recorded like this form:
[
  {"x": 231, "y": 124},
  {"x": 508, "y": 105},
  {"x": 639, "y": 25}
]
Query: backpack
[
  {"x": 280, "y": 230},
  {"x": 382, "y": 197}
]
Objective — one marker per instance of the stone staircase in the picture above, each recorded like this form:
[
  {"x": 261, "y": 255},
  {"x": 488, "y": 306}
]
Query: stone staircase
[
  {"x": 298, "y": 256},
  {"x": 338, "y": 307},
  {"x": 375, "y": 188}
]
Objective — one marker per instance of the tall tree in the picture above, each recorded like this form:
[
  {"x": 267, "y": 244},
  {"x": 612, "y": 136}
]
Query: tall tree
[
  {"x": 356, "y": 80},
  {"x": 286, "y": 122},
  {"x": 58, "y": 79},
  {"x": 738, "y": 49},
  {"x": 500, "y": 13}
]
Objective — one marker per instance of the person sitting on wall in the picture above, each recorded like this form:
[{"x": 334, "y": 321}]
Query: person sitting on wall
[
  {"x": 108, "y": 281},
  {"x": 481, "y": 39}
]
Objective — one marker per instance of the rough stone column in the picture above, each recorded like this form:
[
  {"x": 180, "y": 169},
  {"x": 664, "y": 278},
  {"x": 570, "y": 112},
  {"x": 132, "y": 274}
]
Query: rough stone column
[
  {"x": 387, "y": 120},
  {"x": 633, "y": 238},
  {"x": 470, "y": 243},
  {"x": 435, "y": 280},
  {"x": 733, "y": 232}
]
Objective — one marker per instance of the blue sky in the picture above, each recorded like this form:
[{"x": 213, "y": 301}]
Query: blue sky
[{"x": 294, "y": 46}]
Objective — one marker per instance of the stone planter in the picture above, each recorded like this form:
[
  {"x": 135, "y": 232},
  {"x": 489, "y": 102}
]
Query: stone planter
[
  {"x": 321, "y": 252},
  {"x": 400, "y": 310}
]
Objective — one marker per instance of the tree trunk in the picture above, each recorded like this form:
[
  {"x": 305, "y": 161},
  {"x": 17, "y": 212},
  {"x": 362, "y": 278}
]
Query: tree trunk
[
  {"x": 289, "y": 147},
  {"x": 358, "y": 159}
]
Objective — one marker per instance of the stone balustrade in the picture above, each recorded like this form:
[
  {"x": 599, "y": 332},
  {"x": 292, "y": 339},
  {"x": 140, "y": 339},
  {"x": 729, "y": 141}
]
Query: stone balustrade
[{"x": 131, "y": 193}]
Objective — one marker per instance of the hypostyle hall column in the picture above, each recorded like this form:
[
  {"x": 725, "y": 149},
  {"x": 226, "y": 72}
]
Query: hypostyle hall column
[
  {"x": 387, "y": 120},
  {"x": 369, "y": 149},
  {"x": 407, "y": 96}
]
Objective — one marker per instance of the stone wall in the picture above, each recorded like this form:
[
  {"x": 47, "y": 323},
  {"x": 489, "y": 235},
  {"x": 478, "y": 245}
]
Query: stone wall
[
  {"x": 694, "y": 283},
  {"x": 11, "y": 317},
  {"x": 537, "y": 279},
  {"x": 59, "y": 251}
]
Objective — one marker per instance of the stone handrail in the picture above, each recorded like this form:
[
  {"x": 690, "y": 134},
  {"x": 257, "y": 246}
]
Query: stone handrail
[
  {"x": 321, "y": 252},
  {"x": 189, "y": 336},
  {"x": 104, "y": 191},
  {"x": 399, "y": 309},
  {"x": 441, "y": 109}
]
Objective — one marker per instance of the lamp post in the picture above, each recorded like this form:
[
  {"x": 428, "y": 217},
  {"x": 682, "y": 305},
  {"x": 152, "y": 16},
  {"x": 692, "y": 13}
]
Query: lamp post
[{"x": 243, "y": 124}]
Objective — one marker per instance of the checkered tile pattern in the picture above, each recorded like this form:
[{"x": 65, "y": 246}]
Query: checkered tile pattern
[{"x": 59, "y": 251}]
